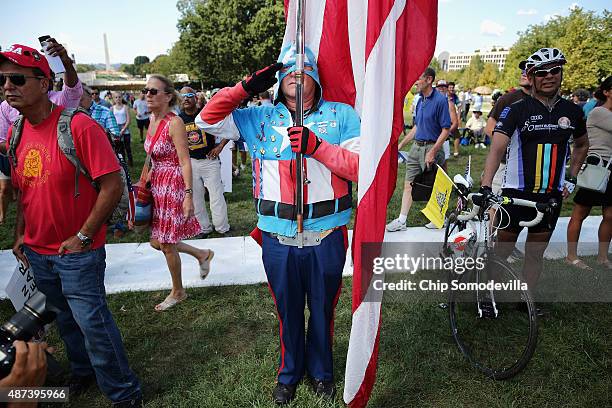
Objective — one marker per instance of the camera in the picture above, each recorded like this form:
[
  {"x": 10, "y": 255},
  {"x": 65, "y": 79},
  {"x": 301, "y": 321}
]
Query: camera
[{"x": 24, "y": 325}]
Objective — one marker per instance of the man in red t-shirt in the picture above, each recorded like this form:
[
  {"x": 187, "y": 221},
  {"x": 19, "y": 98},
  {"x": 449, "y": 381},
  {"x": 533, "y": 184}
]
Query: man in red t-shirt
[{"x": 62, "y": 234}]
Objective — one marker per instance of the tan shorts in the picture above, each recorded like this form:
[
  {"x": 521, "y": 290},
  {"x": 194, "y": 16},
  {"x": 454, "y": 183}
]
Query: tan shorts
[{"x": 415, "y": 163}]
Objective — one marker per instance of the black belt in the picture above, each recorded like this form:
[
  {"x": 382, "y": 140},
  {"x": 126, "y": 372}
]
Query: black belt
[
  {"x": 424, "y": 142},
  {"x": 315, "y": 210}
]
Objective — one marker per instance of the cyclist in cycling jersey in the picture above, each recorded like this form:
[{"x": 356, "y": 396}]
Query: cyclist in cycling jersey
[{"x": 534, "y": 133}]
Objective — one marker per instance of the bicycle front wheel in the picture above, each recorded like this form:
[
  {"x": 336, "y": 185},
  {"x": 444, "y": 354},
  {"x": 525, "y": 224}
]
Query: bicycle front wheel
[{"x": 493, "y": 319}]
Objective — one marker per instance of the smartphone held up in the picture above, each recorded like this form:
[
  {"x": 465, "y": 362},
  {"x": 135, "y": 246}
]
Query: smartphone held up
[{"x": 55, "y": 62}]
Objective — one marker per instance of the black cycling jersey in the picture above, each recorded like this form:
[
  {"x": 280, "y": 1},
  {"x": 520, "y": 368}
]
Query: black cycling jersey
[{"x": 539, "y": 143}]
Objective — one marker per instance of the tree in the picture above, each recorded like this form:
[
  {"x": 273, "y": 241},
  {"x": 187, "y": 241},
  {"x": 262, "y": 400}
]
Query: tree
[
  {"x": 162, "y": 64},
  {"x": 223, "y": 40},
  {"x": 489, "y": 75},
  {"x": 435, "y": 64},
  {"x": 584, "y": 38},
  {"x": 141, "y": 60},
  {"x": 80, "y": 68},
  {"x": 587, "y": 47},
  {"x": 469, "y": 78}
]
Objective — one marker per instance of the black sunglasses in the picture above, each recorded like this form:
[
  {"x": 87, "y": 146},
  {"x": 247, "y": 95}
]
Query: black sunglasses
[
  {"x": 95, "y": 93},
  {"x": 541, "y": 73},
  {"x": 16, "y": 79},
  {"x": 151, "y": 91}
]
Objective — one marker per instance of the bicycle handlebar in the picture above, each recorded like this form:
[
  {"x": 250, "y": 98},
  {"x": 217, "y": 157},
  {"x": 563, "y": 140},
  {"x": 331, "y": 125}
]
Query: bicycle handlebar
[{"x": 540, "y": 207}]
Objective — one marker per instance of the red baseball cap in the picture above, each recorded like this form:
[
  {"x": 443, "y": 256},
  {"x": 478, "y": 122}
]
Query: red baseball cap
[{"x": 25, "y": 56}]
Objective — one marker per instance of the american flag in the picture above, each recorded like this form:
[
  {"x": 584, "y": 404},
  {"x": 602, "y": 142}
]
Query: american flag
[{"x": 369, "y": 53}]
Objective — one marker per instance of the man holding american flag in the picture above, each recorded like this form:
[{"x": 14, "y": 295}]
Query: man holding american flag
[
  {"x": 308, "y": 272},
  {"x": 364, "y": 51}
]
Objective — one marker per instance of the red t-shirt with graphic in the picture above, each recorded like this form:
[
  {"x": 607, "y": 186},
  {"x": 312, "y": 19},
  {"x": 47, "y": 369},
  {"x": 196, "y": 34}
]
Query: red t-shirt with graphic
[{"x": 46, "y": 179}]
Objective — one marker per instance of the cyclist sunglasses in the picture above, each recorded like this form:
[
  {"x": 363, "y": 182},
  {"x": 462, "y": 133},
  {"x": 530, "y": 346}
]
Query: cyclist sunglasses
[
  {"x": 16, "y": 79},
  {"x": 541, "y": 73},
  {"x": 188, "y": 95},
  {"x": 151, "y": 91}
]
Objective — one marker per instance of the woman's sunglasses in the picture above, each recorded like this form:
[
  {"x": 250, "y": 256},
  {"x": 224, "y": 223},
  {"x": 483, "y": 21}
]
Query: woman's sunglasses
[
  {"x": 541, "y": 73},
  {"x": 151, "y": 91},
  {"x": 16, "y": 79}
]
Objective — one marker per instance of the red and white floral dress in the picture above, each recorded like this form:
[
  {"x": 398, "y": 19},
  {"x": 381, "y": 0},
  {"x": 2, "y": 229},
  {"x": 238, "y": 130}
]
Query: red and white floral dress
[{"x": 168, "y": 225}]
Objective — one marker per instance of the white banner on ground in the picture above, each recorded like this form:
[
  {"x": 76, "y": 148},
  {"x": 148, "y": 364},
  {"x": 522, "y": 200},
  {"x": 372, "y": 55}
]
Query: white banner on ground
[
  {"x": 21, "y": 287},
  {"x": 226, "y": 167}
]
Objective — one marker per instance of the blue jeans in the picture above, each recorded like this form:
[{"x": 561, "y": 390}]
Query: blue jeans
[{"x": 74, "y": 283}]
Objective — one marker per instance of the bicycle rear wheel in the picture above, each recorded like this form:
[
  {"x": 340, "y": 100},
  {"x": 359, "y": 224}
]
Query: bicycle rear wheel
[{"x": 495, "y": 327}]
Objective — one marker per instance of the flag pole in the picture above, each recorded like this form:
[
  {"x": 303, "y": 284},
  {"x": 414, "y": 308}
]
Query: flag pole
[{"x": 299, "y": 118}]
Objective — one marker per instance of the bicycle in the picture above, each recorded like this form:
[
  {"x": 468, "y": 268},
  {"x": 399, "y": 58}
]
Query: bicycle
[{"x": 494, "y": 326}]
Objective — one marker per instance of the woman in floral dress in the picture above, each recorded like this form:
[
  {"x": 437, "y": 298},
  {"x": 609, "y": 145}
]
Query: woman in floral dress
[{"x": 171, "y": 186}]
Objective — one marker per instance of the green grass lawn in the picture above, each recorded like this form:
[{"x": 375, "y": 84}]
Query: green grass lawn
[{"x": 220, "y": 347}]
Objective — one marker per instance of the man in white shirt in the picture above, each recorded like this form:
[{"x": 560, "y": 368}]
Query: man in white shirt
[
  {"x": 476, "y": 125},
  {"x": 142, "y": 115}
]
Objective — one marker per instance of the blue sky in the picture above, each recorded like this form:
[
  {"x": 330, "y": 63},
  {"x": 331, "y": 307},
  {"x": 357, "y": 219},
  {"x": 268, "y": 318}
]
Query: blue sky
[{"x": 140, "y": 27}]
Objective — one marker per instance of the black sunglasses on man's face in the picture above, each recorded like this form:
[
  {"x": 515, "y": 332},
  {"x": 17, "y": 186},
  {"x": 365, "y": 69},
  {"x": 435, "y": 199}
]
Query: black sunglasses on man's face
[
  {"x": 16, "y": 79},
  {"x": 541, "y": 73},
  {"x": 151, "y": 91}
]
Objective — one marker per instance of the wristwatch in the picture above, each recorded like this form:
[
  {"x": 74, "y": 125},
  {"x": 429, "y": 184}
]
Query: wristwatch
[{"x": 85, "y": 240}]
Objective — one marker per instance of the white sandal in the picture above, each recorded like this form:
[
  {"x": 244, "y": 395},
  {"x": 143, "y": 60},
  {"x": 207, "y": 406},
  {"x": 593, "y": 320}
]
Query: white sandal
[
  {"x": 169, "y": 302},
  {"x": 579, "y": 264},
  {"x": 205, "y": 266}
]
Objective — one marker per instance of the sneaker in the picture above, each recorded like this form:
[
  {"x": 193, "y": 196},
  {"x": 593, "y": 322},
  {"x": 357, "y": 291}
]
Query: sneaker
[
  {"x": 515, "y": 256},
  {"x": 396, "y": 225},
  {"x": 242, "y": 167},
  {"x": 431, "y": 225},
  {"x": 236, "y": 172}
]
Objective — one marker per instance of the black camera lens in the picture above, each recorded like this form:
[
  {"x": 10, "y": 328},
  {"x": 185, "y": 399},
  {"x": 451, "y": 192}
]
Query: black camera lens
[{"x": 24, "y": 325}]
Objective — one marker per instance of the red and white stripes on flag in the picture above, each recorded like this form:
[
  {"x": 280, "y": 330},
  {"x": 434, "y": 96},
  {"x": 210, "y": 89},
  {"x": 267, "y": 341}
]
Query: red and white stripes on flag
[{"x": 369, "y": 53}]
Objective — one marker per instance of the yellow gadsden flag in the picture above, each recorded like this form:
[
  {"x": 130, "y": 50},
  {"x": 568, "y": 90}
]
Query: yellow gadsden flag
[{"x": 440, "y": 197}]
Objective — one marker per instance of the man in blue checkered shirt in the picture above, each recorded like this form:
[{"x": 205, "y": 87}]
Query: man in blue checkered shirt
[
  {"x": 99, "y": 113},
  {"x": 106, "y": 119}
]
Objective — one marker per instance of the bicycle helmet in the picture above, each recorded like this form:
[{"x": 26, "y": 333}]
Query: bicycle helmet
[{"x": 544, "y": 56}]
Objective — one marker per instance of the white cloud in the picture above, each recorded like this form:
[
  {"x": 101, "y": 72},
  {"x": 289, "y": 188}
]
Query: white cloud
[
  {"x": 529, "y": 12},
  {"x": 489, "y": 27}
]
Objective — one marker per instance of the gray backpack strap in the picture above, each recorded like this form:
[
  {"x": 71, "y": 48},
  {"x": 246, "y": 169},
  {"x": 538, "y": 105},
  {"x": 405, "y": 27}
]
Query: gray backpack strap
[
  {"x": 15, "y": 138},
  {"x": 66, "y": 145}
]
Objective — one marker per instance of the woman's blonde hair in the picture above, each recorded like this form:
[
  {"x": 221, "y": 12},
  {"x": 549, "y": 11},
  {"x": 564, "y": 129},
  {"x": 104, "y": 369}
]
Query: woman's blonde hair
[{"x": 168, "y": 88}]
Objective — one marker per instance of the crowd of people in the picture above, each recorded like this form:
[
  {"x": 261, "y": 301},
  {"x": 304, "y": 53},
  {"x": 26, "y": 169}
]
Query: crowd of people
[{"x": 538, "y": 143}]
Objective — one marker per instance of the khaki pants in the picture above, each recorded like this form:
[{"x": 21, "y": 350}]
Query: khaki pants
[{"x": 415, "y": 163}]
